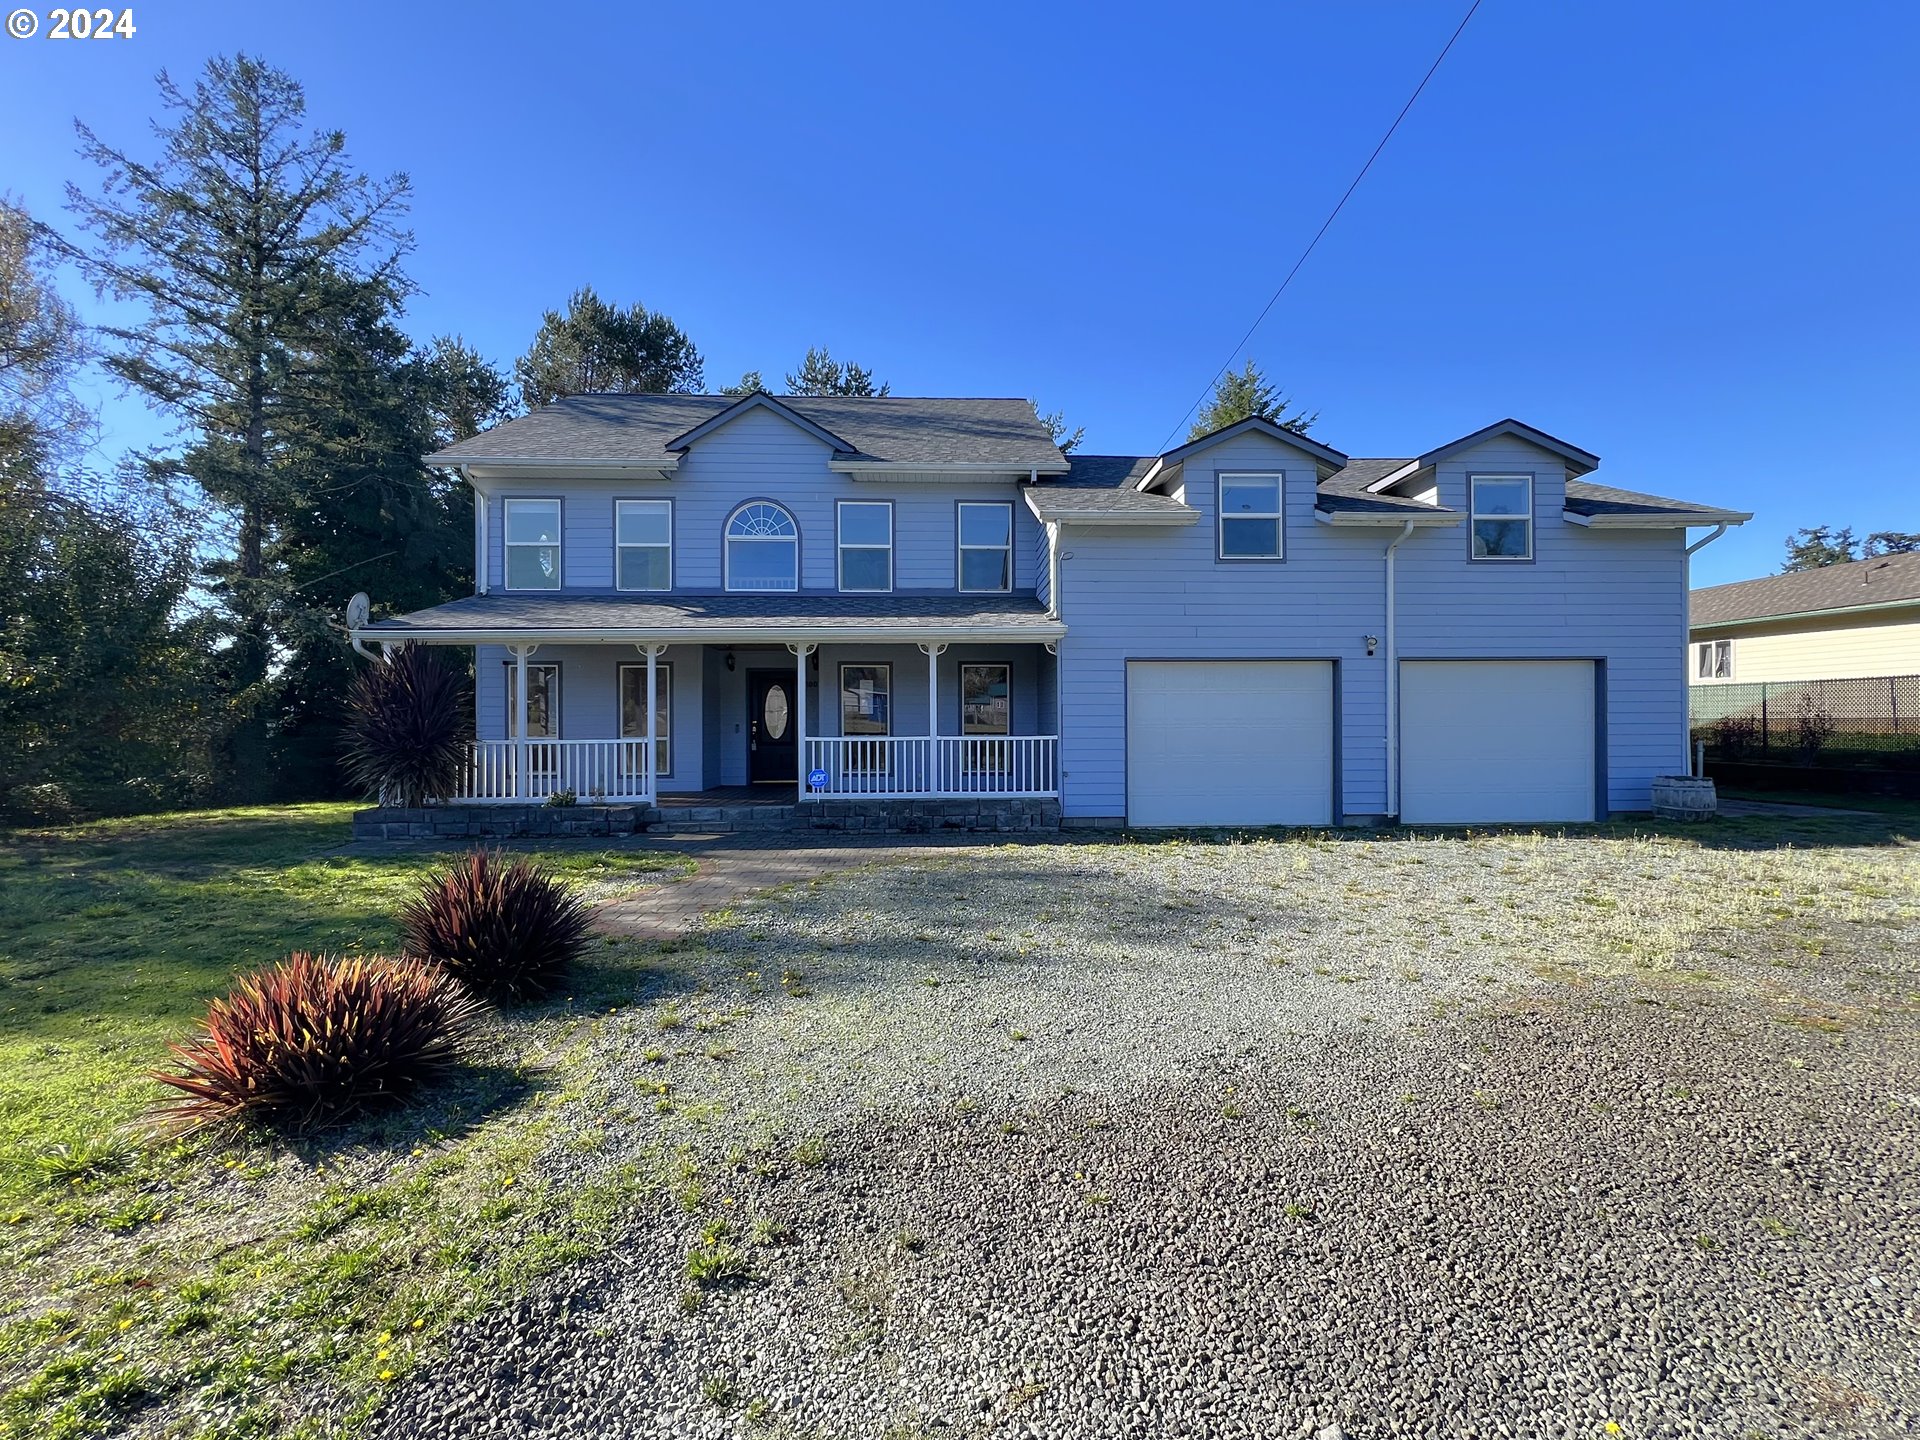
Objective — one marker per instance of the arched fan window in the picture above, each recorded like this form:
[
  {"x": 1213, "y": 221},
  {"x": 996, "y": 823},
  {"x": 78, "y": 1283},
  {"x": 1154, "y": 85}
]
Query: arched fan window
[{"x": 763, "y": 548}]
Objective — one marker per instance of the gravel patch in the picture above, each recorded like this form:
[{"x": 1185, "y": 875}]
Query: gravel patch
[{"x": 1509, "y": 1136}]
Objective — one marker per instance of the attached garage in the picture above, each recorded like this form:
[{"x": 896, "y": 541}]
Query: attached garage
[
  {"x": 1497, "y": 740},
  {"x": 1230, "y": 742}
]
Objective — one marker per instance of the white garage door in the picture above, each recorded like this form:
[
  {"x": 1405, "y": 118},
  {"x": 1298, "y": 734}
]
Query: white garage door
[
  {"x": 1496, "y": 740},
  {"x": 1230, "y": 742}
]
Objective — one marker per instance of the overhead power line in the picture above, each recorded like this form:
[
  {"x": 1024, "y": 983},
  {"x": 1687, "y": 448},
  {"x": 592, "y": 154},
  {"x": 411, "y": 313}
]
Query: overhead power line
[{"x": 1326, "y": 224}]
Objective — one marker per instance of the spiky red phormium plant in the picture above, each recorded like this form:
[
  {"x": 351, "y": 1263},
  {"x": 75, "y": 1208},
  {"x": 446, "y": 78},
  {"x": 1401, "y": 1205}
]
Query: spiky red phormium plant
[
  {"x": 315, "y": 1038},
  {"x": 506, "y": 931},
  {"x": 409, "y": 727}
]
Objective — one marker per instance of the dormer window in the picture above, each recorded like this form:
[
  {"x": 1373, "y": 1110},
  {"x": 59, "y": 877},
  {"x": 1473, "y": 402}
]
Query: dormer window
[
  {"x": 1502, "y": 516},
  {"x": 1250, "y": 517},
  {"x": 763, "y": 548}
]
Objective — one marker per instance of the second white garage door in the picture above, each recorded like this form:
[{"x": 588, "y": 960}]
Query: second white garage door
[
  {"x": 1496, "y": 740},
  {"x": 1229, "y": 742}
]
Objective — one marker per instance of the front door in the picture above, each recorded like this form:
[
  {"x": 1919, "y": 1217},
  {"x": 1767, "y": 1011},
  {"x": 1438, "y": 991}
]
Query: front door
[{"x": 772, "y": 754}]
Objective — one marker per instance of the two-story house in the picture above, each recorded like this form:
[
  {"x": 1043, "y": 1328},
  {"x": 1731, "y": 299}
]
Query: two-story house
[{"x": 864, "y": 602}]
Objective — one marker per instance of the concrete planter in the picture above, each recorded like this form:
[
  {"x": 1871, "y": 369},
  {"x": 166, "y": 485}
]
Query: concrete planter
[{"x": 1684, "y": 797}]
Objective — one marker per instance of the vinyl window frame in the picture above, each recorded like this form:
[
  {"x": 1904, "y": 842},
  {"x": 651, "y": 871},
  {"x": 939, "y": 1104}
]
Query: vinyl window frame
[
  {"x": 663, "y": 671},
  {"x": 620, "y": 545},
  {"x": 553, "y": 698},
  {"x": 961, "y": 547},
  {"x": 508, "y": 544},
  {"x": 1474, "y": 517},
  {"x": 960, "y": 681},
  {"x": 1224, "y": 478},
  {"x": 841, "y": 547},
  {"x": 1713, "y": 659}
]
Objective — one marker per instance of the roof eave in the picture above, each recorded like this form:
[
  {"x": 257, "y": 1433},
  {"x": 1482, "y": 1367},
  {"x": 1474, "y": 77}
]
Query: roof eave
[
  {"x": 1671, "y": 520},
  {"x": 1373, "y": 520},
  {"x": 757, "y": 400},
  {"x": 971, "y": 468},
  {"x": 1325, "y": 454},
  {"x": 1579, "y": 462},
  {"x": 392, "y": 634},
  {"x": 442, "y": 460},
  {"x": 1910, "y": 603}
]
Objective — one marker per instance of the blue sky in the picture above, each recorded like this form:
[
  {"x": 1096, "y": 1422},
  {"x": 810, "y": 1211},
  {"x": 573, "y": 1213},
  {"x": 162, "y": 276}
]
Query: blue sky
[{"x": 1682, "y": 236}]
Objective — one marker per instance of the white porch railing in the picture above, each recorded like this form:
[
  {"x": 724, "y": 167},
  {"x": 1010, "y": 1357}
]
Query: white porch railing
[
  {"x": 944, "y": 767},
  {"x": 595, "y": 771}
]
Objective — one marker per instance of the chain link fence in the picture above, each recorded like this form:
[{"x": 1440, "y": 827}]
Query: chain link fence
[{"x": 1872, "y": 722}]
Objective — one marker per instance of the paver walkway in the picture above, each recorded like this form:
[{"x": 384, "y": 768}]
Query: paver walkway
[{"x": 733, "y": 866}]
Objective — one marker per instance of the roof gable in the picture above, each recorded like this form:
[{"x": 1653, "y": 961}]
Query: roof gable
[
  {"x": 758, "y": 400},
  {"x": 1258, "y": 424},
  {"x": 1579, "y": 462}
]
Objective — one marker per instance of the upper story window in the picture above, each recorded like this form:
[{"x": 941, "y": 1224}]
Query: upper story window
[
  {"x": 533, "y": 544},
  {"x": 866, "y": 545},
  {"x": 1716, "y": 660},
  {"x": 643, "y": 544},
  {"x": 1502, "y": 516},
  {"x": 1250, "y": 516},
  {"x": 986, "y": 545},
  {"x": 763, "y": 548}
]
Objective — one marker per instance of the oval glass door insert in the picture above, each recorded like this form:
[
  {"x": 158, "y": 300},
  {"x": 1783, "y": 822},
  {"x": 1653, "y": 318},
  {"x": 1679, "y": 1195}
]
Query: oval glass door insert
[{"x": 774, "y": 713}]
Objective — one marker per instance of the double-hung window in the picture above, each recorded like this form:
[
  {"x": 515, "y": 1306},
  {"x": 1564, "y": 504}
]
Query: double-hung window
[
  {"x": 643, "y": 544},
  {"x": 1250, "y": 517},
  {"x": 533, "y": 544},
  {"x": 866, "y": 545},
  {"x": 1502, "y": 516},
  {"x": 866, "y": 709},
  {"x": 986, "y": 546},
  {"x": 543, "y": 713},
  {"x": 1716, "y": 660},
  {"x": 986, "y": 709},
  {"x": 633, "y": 711}
]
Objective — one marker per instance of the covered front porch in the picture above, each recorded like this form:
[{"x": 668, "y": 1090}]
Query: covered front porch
[{"x": 799, "y": 722}]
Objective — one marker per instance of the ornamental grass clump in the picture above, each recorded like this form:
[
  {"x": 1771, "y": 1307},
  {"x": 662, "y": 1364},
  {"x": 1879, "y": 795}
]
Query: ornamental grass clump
[
  {"x": 316, "y": 1038},
  {"x": 509, "y": 932}
]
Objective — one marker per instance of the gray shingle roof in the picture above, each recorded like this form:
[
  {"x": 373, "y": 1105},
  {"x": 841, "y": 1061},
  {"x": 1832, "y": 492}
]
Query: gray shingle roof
[
  {"x": 902, "y": 430},
  {"x": 1345, "y": 493},
  {"x": 724, "y": 613},
  {"x": 1104, "y": 472},
  {"x": 1884, "y": 580},
  {"x": 1586, "y": 498},
  {"x": 1068, "y": 503}
]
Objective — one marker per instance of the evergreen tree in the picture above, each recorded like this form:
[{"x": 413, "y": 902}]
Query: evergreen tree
[
  {"x": 1056, "y": 423},
  {"x": 464, "y": 392},
  {"x": 1243, "y": 394},
  {"x": 238, "y": 243},
  {"x": 747, "y": 384},
  {"x": 821, "y": 374},
  {"x": 597, "y": 348},
  {"x": 42, "y": 345},
  {"x": 1818, "y": 546}
]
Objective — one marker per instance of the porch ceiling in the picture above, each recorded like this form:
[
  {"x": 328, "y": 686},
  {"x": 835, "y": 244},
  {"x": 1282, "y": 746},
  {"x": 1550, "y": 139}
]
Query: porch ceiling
[{"x": 737, "y": 619}]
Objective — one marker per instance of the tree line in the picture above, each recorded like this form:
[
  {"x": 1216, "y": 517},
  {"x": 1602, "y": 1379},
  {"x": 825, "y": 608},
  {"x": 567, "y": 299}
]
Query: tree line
[{"x": 170, "y": 621}]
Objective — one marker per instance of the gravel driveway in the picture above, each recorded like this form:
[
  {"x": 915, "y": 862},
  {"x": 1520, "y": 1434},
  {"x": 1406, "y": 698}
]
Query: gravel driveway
[{"x": 1509, "y": 1135}]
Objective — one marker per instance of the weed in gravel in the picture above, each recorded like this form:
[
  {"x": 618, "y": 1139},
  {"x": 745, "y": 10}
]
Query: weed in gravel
[
  {"x": 1017, "y": 1036},
  {"x": 1231, "y": 1111},
  {"x": 718, "y": 1389},
  {"x": 909, "y": 1241},
  {"x": 1706, "y": 1241},
  {"x": 767, "y": 1231},
  {"x": 1300, "y": 1120},
  {"x": 654, "y": 1057},
  {"x": 1776, "y": 1227},
  {"x": 810, "y": 1153},
  {"x": 81, "y": 1162},
  {"x": 691, "y": 1301},
  {"x": 1294, "y": 1210},
  {"x": 759, "y": 1411},
  {"x": 714, "y": 1260},
  {"x": 669, "y": 1019}
]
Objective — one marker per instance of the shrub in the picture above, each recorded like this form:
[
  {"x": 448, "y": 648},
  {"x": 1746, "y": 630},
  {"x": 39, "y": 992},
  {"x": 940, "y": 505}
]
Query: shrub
[
  {"x": 1812, "y": 726},
  {"x": 508, "y": 932},
  {"x": 409, "y": 728},
  {"x": 314, "y": 1039}
]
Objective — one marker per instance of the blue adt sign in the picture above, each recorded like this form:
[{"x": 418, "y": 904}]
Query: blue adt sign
[{"x": 816, "y": 779}]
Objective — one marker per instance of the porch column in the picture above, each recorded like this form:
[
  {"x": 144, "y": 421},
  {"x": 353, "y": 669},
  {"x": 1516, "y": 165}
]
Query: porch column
[
  {"x": 650, "y": 777},
  {"x": 800, "y": 653},
  {"x": 520, "y": 654},
  {"x": 933, "y": 654}
]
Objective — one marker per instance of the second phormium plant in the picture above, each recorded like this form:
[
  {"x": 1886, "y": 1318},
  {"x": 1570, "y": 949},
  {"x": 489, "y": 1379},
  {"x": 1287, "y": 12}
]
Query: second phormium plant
[
  {"x": 315, "y": 1038},
  {"x": 507, "y": 931}
]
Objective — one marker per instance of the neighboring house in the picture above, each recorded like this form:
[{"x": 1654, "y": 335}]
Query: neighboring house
[
  {"x": 1838, "y": 622},
  {"x": 894, "y": 599}
]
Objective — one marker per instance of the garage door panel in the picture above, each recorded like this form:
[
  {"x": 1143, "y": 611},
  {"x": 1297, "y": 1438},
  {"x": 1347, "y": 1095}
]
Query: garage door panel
[
  {"x": 1229, "y": 742},
  {"x": 1496, "y": 740}
]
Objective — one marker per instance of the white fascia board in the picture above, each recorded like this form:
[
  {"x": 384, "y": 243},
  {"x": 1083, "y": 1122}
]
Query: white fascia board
[
  {"x": 1697, "y": 519},
  {"x": 1351, "y": 521},
  {"x": 1126, "y": 518},
  {"x": 897, "y": 470},
  {"x": 744, "y": 635},
  {"x": 1411, "y": 468},
  {"x": 515, "y": 468},
  {"x": 1145, "y": 482}
]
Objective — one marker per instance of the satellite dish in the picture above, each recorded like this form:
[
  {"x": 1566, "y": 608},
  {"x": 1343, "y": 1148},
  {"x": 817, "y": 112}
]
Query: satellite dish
[{"x": 358, "y": 609}]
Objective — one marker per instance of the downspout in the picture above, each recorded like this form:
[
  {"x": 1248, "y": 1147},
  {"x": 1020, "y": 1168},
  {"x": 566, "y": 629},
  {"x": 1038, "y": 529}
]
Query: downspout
[
  {"x": 1393, "y": 677},
  {"x": 1686, "y": 641}
]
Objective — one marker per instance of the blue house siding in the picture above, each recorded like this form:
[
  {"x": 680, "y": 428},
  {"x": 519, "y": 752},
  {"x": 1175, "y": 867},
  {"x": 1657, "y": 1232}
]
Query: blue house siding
[
  {"x": 1162, "y": 594},
  {"x": 1615, "y": 596},
  {"x": 761, "y": 457}
]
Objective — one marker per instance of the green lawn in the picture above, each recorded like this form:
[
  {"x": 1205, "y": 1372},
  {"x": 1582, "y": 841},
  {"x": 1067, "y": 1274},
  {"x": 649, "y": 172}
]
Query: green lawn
[{"x": 185, "y": 1286}]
